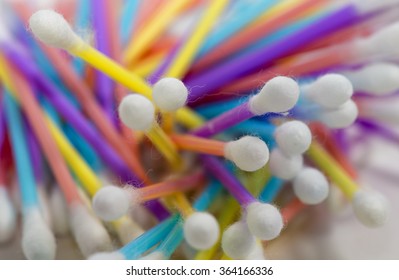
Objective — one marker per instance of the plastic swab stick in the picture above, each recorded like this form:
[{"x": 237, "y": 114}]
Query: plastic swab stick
[
  {"x": 277, "y": 95},
  {"x": 52, "y": 29}
]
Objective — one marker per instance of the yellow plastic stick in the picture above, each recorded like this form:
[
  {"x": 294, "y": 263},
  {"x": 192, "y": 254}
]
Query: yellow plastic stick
[
  {"x": 182, "y": 204},
  {"x": 83, "y": 172},
  {"x": 132, "y": 81},
  {"x": 165, "y": 146},
  {"x": 332, "y": 169},
  {"x": 187, "y": 53},
  {"x": 112, "y": 69}
]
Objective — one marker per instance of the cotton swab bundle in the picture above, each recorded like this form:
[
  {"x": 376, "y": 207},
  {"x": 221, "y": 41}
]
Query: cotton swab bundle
[{"x": 288, "y": 90}]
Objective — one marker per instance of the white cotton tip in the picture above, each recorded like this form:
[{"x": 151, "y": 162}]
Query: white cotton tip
[
  {"x": 8, "y": 219},
  {"x": 329, "y": 91},
  {"x": 278, "y": 95},
  {"x": 137, "y": 112},
  {"x": 111, "y": 203},
  {"x": 257, "y": 253},
  {"x": 237, "y": 241},
  {"x": 293, "y": 137},
  {"x": 59, "y": 212},
  {"x": 284, "y": 167},
  {"x": 377, "y": 78},
  {"x": 52, "y": 29},
  {"x": 116, "y": 255},
  {"x": 89, "y": 233},
  {"x": 169, "y": 94},
  {"x": 157, "y": 255},
  {"x": 264, "y": 220},
  {"x": 38, "y": 242},
  {"x": 371, "y": 208},
  {"x": 248, "y": 153},
  {"x": 384, "y": 41},
  {"x": 201, "y": 230},
  {"x": 342, "y": 117},
  {"x": 311, "y": 186},
  {"x": 44, "y": 205}
]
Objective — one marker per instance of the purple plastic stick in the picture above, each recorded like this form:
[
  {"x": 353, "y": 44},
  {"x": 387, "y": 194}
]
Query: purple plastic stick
[
  {"x": 104, "y": 85},
  {"x": 224, "y": 73},
  {"x": 236, "y": 189},
  {"x": 224, "y": 121},
  {"x": 378, "y": 130}
]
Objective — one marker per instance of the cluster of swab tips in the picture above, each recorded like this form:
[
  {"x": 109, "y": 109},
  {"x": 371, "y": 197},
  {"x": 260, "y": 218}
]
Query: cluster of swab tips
[{"x": 204, "y": 157}]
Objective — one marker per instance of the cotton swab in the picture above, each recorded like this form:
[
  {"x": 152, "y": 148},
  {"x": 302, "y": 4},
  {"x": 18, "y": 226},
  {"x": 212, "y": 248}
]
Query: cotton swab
[
  {"x": 101, "y": 240},
  {"x": 200, "y": 228},
  {"x": 330, "y": 90},
  {"x": 293, "y": 137},
  {"x": 248, "y": 153},
  {"x": 90, "y": 182},
  {"x": 285, "y": 167},
  {"x": 375, "y": 78},
  {"x": 255, "y": 181},
  {"x": 372, "y": 213},
  {"x": 169, "y": 94},
  {"x": 112, "y": 202},
  {"x": 172, "y": 237},
  {"x": 340, "y": 117},
  {"x": 264, "y": 220},
  {"x": 310, "y": 186},
  {"x": 38, "y": 241},
  {"x": 238, "y": 242},
  {"x": 138, "y": 113},
  {"x": 278, "y": 95},
  {"x": 371, "y": 208},
  {"x": 42, "y": 24}
]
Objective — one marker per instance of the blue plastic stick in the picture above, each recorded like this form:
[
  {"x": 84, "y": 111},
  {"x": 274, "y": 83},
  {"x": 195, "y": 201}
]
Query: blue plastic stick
[
  {"x": 271, "y": 190},
  {"x": 244, "y": 13},
  {"x": 150, "y": 238},
  {"x": 128, "y": 19},
  {"x": 26, "y": 177}
]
